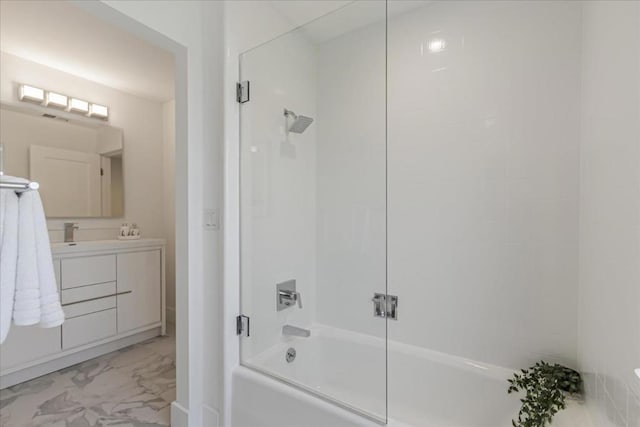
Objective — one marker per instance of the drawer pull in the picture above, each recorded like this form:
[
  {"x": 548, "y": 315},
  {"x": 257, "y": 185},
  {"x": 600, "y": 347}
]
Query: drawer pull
[{"x": 93, "y": 299}]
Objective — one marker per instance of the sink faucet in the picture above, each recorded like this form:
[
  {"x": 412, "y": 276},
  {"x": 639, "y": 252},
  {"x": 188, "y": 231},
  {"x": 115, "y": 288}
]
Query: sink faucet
[
  {"x": 69, "y": 228},
  {"x": 294, "y": 331}
]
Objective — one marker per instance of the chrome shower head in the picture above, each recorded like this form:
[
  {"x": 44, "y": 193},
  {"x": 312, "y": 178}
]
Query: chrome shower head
[{"x": 300, "y": 123}]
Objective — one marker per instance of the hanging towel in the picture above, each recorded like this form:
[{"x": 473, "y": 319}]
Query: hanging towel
[
  {"x": 36, "y": 300},
  {"x": 8, "y": 257}
]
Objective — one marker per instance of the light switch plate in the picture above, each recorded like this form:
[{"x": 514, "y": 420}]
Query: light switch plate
[{"x": 211, "y": 219}]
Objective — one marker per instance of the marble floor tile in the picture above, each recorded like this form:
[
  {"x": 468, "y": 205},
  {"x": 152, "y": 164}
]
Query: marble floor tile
[{"x": 132, "y": 387}]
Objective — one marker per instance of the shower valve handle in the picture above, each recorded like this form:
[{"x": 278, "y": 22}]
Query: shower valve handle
[{"x": 289, "y": 298}]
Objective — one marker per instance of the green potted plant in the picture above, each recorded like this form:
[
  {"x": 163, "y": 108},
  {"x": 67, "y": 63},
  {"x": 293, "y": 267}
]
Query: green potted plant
[{"x": 546, "y": 387}]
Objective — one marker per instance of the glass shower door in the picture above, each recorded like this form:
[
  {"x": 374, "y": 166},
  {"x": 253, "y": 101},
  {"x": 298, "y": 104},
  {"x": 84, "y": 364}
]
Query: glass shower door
[{"x": 313, "y": 207}]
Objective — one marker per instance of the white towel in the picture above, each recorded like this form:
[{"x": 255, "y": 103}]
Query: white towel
[
  {"x": 26, "y": 306},
  {"x": 51, "y": 314},
  {"x": 8, "y": 257},
  {"x": 36, "y": 300}
]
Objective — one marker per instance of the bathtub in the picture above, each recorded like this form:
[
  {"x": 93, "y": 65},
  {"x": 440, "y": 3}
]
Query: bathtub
[{"x": 338, "y": 380}]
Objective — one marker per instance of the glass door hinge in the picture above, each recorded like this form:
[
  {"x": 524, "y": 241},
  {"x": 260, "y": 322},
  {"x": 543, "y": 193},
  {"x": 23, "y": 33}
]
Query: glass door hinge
[
  {"x": 242, "y": 325},
  {"x": 242, "y": 91}
]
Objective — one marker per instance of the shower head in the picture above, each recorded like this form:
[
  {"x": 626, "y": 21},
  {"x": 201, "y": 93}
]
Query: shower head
[{"x": 300, "y": 123}]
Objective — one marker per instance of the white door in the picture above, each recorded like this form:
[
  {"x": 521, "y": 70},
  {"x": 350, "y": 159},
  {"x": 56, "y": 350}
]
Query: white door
[
  {"x": 139, "y": 275},
  {"x": 69, "y": 181}
]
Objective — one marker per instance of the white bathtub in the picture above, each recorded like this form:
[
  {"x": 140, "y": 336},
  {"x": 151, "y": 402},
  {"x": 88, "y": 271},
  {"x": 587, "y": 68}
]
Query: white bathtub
[{"x": 425, "y": 388}]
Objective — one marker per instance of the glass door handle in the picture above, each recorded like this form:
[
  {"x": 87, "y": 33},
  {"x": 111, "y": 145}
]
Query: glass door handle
[
  {"x": 379, "y": 305},
  {"x": 385, "y": 306}
]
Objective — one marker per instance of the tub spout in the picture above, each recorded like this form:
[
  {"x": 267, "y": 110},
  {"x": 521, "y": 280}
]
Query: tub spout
[{"x": 294, "y": 331}]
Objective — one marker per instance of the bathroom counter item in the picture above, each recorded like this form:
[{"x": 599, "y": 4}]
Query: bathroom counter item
[
  {"x": 113, "y": 295},
  {"x": 129, "y": 237}
]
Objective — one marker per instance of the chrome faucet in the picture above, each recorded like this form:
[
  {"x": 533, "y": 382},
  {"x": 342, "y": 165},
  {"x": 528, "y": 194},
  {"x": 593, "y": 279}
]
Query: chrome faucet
[
  {"x": 288, "y": 298},
  {"x": 287, "y": 295},
  {"x": 69, "y": 228},
  {"x": 294, "y": 331}
]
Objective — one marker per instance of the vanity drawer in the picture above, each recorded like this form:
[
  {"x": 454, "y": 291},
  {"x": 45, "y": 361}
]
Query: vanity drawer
[
  {"x": 88, "y": 270},
  {"x": 88, "y": 328},
  {"x": 87, "y": 307},
  {"x": 84, "y": 293}
]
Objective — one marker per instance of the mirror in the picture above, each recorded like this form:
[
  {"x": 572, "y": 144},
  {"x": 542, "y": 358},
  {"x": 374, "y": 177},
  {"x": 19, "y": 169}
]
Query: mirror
[{"x": 78, "y": 165}]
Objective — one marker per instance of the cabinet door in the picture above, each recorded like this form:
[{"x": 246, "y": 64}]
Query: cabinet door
[
  {"x": 28, "y": 343},
  {"x": 139, "y": 273}
]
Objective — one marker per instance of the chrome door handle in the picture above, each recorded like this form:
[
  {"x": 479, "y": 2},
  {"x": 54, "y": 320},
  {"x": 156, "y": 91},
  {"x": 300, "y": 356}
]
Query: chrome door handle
[
  {"x": 379, "y": 305},
  {"x": 385, "y": 306}
]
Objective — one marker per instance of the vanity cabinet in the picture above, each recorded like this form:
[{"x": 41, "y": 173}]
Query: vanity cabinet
[
  {"x": 138, "y": 290},
  {"x": 88, "y": 270},
  {"x": 112, "y": 294}
]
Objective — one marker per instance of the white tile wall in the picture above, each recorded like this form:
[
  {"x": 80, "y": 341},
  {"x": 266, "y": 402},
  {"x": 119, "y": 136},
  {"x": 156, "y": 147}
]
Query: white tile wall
[
  {"x": 482, "y": 178},
  {"x": 278, "y": 184},
  {"x": 351, "y": 178},
  {"x": 609, "y": 338}
]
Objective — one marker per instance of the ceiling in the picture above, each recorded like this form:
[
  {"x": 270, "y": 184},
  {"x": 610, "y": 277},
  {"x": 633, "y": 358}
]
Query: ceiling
[
  {"x": 59, "y": 35},
  {"x": 320, "y": 24},
  {"x": 303, "y": 11}
]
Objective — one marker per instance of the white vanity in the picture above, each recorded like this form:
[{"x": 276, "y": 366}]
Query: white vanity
[{"x": 113, "y": 295}]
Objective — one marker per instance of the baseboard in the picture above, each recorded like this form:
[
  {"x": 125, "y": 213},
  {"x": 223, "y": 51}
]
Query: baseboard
[
  {"x": 171, "y": 315},
  {"x": 179, "y": 415},
  {"x": 210, "y": 416}
]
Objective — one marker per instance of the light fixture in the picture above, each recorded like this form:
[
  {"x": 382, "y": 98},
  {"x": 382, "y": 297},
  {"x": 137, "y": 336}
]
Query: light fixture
[
  {"x": 56, "y": 100},
  {"x": 31, "y": 93},
  {"x": 97, "y": 110},
  {"x": 78, "y": 106},
  {"x": 48, "y": 98},
  {"x": 437, "y": 45}
]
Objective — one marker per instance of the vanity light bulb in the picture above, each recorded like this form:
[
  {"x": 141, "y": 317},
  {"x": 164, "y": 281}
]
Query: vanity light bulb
[
  {"x": 96, "y": 110},
  {"x": 78, "y": 106},
  {"x": 31, "y": 93},
  {"x": 56, "y": 100},
  {"x": 437, "y": 45}
]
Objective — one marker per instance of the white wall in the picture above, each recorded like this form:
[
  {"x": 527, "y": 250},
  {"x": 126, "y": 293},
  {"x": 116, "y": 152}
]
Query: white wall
[
  {"x": 609, "y": 345},
  {"x": 141, "y": 121},
  {"x": 169, "y": 174},
  {"x": 180, "y": 27}
]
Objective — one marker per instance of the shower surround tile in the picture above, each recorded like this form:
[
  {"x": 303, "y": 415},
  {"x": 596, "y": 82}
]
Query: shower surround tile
[{"x": 130, "y": 387}]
